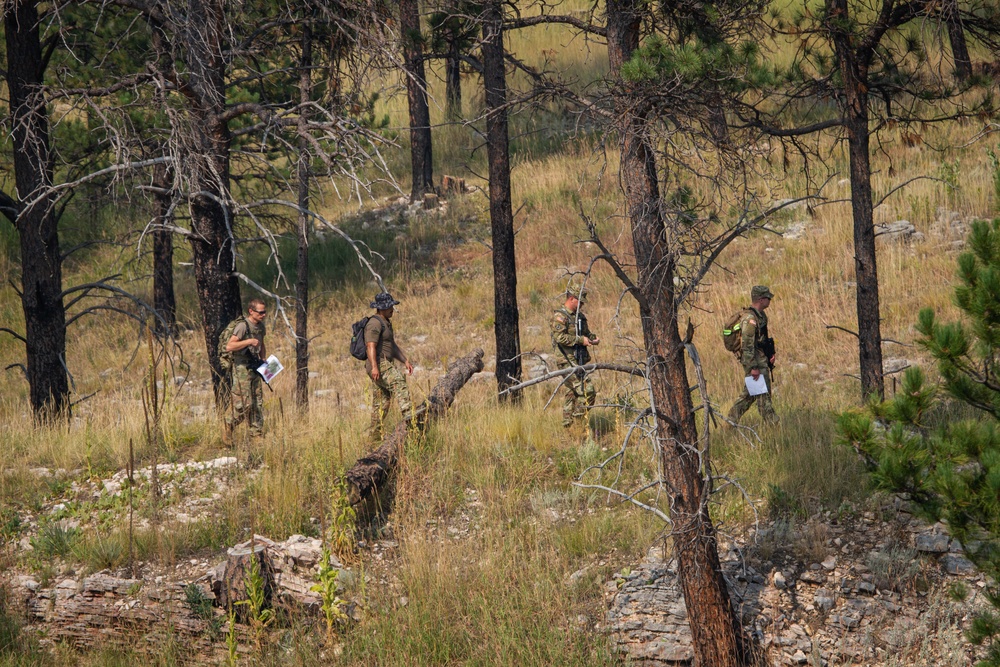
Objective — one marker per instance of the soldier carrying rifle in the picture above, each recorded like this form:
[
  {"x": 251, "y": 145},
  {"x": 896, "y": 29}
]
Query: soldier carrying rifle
[
  {"x": 571, "y": 337},
  {"x": 756, "y": 353}
]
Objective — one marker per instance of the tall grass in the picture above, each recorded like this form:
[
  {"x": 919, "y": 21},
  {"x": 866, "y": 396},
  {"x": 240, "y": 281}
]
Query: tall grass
[{"x": 499, "y": 559}]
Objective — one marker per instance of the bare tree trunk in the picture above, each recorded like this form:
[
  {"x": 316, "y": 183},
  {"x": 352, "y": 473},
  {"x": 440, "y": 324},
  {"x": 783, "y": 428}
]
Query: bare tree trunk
[
  {"x": 37, "y": 220},
  {"x": 854, "y": 70},
  {"x": 506, "y": 317},
  {"x": 208, "y": 156},
  {"x": 302, "y": 259},
  {"x": 956, "y": 35},
  {"x": 421, "y": 158},
  {"x": 717, "y": 635},
  {"x": 453, "y": 81},
  {"x": 163, "y": 254}
]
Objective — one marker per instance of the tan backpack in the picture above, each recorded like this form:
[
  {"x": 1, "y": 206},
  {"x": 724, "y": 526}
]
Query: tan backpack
[{"x": 732, "y": 335}]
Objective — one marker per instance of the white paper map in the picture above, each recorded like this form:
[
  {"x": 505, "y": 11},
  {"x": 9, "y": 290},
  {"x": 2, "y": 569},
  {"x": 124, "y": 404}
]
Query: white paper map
[
  {"x": 270, "y": 368},
  {"x": 756, "y": 387}
]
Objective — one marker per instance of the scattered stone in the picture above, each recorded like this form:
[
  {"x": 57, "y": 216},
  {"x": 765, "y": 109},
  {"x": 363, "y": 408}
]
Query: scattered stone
[
  {"x": 892, "y": 366},
  {"x": 812, "y": 577},
  {"x": 957, "y": 565},
  {"x": 931, "y": 543},
  {"x": 799, "y": 658},
  {"x": 830, "y": 563},
  {"x": 900, "y": 231},
  {"x": 824, "y": 600},
  {"x": 779, "y": 580}
]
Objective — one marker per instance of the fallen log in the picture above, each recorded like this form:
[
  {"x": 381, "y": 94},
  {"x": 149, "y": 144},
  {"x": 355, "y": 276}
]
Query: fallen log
[{"x": 370, "y": 480}]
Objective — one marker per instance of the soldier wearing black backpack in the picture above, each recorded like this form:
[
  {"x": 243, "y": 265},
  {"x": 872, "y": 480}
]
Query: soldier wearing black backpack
[{"x": 380, "y": 351}]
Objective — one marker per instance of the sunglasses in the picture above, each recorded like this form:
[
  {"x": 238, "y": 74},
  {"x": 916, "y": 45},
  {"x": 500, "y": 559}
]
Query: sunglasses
[{"x": 261, "y": 312}]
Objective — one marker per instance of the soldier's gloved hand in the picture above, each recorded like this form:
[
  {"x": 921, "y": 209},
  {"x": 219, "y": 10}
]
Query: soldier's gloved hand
[
  {"x": 595, "y": 340},
  {"x": 585, "y": 341}
]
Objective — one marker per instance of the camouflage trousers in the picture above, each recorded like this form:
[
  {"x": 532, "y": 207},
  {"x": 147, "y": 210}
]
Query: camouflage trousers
[
  {"x": 763, "y": 402},
  {"x": 389, "y": 384},
  {"x": 243, "y": 399},
  {"x": 580, "y": 395}
]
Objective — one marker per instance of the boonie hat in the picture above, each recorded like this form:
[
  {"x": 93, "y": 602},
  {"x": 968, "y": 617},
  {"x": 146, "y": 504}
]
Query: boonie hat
[
  {"x": 580, "y": 294},
  {"x": 760, "y": 292},
  {"x": 383, "y": 301}
]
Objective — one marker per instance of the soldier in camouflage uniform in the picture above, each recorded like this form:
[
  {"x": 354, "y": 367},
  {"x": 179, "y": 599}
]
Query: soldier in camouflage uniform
[
  {"x": 387, "y": 381},
  {"x": 571, "y": 337},
  {"x": 756, "y": 363},
  {"x": 242, "y": 392}
]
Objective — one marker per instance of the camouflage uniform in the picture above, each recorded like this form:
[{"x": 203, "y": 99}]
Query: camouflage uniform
[
  {"x": 390, "y": 382},
  {"x": 753, "y": 326},
  {"x": 580, "y": 391},
  {"x": 243, "y": 393}
]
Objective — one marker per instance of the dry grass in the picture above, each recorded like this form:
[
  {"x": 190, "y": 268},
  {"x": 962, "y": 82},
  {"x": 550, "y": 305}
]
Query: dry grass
[{"x": 497, "y": 588}]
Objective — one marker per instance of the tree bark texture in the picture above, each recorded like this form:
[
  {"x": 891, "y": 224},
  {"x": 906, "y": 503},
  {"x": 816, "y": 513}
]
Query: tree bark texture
[
  {"x": 853, "y": 66},
  {"x": 717, "y": 635},
  {"x": 302, "y": 229},
  {"x": 956, "y": 35},
  {"x": 421, "y": 157},
  {"x": 371, "y": 476},
  {"x": 506, "y": 316},
  {"x": 453, "y": 81},
  {"x": 37, "y": 220},
  {"x": 163, "y": 254},
  {"x": 206, "y": 160}
]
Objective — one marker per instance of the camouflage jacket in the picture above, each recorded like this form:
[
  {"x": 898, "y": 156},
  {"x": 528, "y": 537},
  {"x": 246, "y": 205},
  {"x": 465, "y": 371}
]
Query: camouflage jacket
[
  {"x": 567, "y": 334},
  {"x": 753, "y": 326}
]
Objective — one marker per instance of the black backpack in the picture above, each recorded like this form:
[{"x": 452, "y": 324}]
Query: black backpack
[{"x": 358, "y": 350}]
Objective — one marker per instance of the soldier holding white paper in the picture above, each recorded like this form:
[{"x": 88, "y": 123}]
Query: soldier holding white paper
[{"x": 757, "y": 357}]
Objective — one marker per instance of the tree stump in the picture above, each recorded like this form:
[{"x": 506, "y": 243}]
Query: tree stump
[
  {"x": 234, "y": 586},
  {"x": 371, "y": 479}
]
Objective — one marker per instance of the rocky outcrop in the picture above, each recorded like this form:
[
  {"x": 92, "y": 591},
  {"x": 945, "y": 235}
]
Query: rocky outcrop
[
  {"x": 106, "y": 609},
  {"x": 870, "y": 595}
]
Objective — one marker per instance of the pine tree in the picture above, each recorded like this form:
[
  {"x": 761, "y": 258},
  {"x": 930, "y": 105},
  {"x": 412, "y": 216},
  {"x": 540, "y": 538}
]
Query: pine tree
[{"x": 951, "y": 471}]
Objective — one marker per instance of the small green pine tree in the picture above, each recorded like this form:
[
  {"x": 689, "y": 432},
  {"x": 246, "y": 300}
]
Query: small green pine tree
[{"x": 951, "y": 471}]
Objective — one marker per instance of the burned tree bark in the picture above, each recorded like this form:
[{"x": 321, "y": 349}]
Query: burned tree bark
[
  {"x": 302, "y": 228},
  {"x": 506, "y": 316},
  {"x": 422, "y": 163},
  {"x": 34, "y": 215},
  {"x": 853, "y": 65},
  {"x": 717, "y": 635},
  {"x": 163, "y": 254},
  {"x": 371, "y": 477}
]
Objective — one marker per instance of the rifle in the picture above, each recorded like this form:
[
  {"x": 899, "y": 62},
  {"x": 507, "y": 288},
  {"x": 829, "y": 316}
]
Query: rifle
[
  {"x": 579, "y": 351},
  {"x": 767, "y": 347}
]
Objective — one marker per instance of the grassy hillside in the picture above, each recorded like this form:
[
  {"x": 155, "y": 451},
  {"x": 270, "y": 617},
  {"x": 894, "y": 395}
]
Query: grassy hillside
[{"x": 494, "y": 556}]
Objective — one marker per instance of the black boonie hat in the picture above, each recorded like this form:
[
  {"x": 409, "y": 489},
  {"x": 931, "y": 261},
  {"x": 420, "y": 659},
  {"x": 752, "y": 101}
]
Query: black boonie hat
[{"x": 383, "y": 301}]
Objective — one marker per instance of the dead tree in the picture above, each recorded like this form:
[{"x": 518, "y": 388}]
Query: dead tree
[
  {"x": 370, "y": 479},
  {"x": 505, "y": 311},
  {"x": 421, "y": 151},
  {"x": 32, "y": 211}
]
